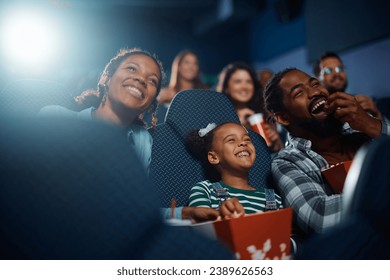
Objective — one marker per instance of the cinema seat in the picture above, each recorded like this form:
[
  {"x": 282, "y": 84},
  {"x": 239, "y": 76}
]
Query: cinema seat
[
  {"x": 25, "y": 97},
  {"x": 173, "y": 170}
]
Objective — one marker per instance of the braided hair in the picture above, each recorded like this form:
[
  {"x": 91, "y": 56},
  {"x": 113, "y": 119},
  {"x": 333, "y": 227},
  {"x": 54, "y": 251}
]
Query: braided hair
[{"x": 273, "y": 94}]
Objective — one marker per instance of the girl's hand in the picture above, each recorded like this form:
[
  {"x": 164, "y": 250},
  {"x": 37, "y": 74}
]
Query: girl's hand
[{"x": 231, "y": 208}]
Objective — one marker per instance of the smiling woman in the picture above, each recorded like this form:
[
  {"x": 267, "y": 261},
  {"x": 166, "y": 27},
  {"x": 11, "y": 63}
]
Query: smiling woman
[{"x": 127, "y": 88}]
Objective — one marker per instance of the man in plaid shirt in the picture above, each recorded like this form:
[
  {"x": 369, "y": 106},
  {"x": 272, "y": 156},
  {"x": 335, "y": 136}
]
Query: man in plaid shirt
[{"x": 314, "y": 119}]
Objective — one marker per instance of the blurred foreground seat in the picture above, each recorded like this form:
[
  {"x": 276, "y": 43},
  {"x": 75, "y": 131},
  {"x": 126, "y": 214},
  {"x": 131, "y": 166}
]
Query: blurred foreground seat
[
  {"x": 383, "y": 105},
  {"x": 26, "y": 97},
  {"x": 74, "y": 190}
]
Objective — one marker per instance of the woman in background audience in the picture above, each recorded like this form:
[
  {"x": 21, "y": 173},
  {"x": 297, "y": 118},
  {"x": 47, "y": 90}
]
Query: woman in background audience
[
  {"x": 242, "y": 87},
  {"x": 185, "y": 74}
]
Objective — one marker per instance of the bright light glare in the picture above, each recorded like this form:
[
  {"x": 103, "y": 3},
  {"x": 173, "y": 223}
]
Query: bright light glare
[{"x": 28, "y": 40}]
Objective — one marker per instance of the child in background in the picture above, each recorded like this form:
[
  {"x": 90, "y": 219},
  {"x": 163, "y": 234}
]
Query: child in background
[{"x": 226, "y": 150}]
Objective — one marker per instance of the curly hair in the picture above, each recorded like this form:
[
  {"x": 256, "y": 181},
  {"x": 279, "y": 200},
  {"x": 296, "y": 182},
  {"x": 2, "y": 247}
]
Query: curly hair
[{"x": 199, "y": 148}]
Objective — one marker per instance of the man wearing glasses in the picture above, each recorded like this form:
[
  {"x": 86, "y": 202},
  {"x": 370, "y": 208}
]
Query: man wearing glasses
[{"x": 330, "y": 71}]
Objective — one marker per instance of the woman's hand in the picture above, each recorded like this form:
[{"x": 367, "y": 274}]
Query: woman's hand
[
  {"x": 199, "y": 214},
  {"x": 274, "y": 137},
  {"x": 243, "y": 115}
]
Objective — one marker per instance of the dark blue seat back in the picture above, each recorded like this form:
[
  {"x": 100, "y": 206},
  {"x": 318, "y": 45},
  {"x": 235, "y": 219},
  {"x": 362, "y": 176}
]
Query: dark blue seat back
[
  {"x": 27, "y": 96},
  {"x": 173, "y": 170},
  {"x": 383, "y": 105},
  {"x": 374, "y": 171}
]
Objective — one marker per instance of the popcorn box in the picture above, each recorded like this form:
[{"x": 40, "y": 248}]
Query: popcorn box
[
  {"x": 255, "y": 236},
  {"x": 336, "y": 174}
]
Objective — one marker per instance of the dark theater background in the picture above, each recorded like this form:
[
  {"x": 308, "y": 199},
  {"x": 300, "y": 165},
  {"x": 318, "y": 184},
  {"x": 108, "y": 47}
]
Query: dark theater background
[{"x": 71, "y": 40}]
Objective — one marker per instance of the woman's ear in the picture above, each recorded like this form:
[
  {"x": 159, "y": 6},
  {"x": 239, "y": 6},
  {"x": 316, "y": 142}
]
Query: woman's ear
[
  {"x": 108, "y": 82},
  {"x": 282, "y": 118},
  {"x": 213, "y": 158}
]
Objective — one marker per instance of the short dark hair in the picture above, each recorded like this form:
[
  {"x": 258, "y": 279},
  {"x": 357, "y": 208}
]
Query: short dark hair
[
  {"x": 273, "y": 93},
  {"x": 317, "y": 68}
]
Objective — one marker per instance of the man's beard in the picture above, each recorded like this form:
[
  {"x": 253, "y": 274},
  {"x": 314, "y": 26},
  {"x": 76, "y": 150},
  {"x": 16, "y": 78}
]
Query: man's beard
[
  {"x": 332, "y": 89},
  {"x": 328, "y": 127}
]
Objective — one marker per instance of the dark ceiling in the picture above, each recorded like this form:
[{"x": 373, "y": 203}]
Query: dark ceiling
[{"x": 202, "y": 15}]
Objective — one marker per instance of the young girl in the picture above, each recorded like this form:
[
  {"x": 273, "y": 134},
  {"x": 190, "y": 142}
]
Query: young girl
[{"x": 228, "y": 150}]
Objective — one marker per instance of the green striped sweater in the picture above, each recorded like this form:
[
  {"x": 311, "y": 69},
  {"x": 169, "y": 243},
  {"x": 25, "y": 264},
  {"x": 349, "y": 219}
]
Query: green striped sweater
[{"x": 253, "y": 201}]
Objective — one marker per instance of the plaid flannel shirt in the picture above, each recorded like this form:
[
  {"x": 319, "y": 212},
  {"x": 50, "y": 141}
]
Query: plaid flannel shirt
[{"x": 297, "y": 174}]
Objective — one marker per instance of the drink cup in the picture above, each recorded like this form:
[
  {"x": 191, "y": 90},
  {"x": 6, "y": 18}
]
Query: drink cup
[{"x": 256, "y": 122}]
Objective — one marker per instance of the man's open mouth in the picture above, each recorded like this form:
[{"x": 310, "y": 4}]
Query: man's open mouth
[{"x": 317, "y": 105}]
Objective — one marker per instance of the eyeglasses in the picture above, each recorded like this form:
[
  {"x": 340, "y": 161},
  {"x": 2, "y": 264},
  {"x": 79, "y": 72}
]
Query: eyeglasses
[{"x": 329, "y": 70}]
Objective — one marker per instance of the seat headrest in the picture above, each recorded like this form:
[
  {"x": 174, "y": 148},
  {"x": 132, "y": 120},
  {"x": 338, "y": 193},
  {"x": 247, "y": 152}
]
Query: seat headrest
[{"x": 196, "y": 108}]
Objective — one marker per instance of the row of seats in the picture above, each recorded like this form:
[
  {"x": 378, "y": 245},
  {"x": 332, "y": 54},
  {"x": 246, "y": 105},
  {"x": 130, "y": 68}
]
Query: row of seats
[
  {"x": 192, "y": 109},
  {"x": 29, "y": 95}
]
